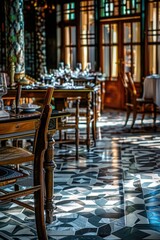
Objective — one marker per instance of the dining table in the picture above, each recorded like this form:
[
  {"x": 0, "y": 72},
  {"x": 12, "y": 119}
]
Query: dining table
[
  {"x": 151, "y": 88},
  {"x": 85, "y": 79},
  {"x": 23, "y": 125},
  {"x": 60, "y": 95}
]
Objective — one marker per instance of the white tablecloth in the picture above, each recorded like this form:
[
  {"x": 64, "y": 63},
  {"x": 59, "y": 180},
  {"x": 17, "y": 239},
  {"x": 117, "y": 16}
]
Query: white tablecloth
[{"x": 152, "y": 88}]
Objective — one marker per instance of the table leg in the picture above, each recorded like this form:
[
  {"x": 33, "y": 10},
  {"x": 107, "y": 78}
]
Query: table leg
[
  {"x": 95, "y": 116},
  {"x": 49, "y": 166},
  {"x": 88, "y": 121},
  {"x": 103, "y": 91}
]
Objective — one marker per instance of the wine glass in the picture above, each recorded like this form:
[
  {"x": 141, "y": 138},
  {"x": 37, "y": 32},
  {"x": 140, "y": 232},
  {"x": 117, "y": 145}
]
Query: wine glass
[
  {"x": 79, "y": 66},
  {"x": 88, "y": 66},
  {"x": 3, "y": 91},
  {"x": 61, "y": 67}
]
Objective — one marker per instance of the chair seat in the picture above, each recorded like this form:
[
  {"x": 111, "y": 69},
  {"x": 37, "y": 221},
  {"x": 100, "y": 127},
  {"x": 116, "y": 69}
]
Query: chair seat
[
  {"x": 141, "y": 101},
  {"x": 12, "y": 155},
  {"x": 10, "y": 175}
]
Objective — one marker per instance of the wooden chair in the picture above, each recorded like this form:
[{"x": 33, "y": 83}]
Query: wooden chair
[
  {"x": 64, "y": 126},
  {"x": 83, "y": 121},
  {"x": 135, "y": 104},
  {"x": 82, "y": 106},
  {"x": 12, "y": 158},
  {"x": 10, "y": 175}
]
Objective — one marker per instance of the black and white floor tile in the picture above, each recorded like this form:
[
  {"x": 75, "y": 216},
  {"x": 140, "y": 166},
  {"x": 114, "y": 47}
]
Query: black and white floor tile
[{"x": 112, "y": 192}]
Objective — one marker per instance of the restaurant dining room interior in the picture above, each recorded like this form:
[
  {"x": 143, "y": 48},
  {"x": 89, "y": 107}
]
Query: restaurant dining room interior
[{"x": 79, "y": 119}]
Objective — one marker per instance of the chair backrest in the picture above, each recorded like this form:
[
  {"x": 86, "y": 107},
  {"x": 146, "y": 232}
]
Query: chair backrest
[
  {"x": 41, "y": 144},
  {"x": 131, "y": 88},
  {"x": 128, "y": 94},
  {"x": 47, "y": 101},
  {"x": 131, "y": 84},
  {"x": 48, "y": 96},
  {"x": 123, "y": 80}
]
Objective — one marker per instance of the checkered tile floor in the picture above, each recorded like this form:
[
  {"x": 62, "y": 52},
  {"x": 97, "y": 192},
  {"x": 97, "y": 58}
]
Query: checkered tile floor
[{"x": 112, "y": 192}]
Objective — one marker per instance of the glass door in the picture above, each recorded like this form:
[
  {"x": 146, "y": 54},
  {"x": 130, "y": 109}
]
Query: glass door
[
  {"x": 131, "y": 49},
  {"x": 153, "y": 38},
  {"x": 121, "y": 52}
]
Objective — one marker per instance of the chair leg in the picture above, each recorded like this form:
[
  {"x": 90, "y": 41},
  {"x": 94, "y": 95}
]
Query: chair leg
[
  {"x": 94, "y": 132},
  {"x": 143, "y": 114},
  {"x": 134, "y": 117},
  {"x": 127, "y": 115},
  {"x": 77, "y": 143},
  {"x": 39, "y": 215},
  {"x": 77, "y": 128},
  {"x": 155, "y": 115}
]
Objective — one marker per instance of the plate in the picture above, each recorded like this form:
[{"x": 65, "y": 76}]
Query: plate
[{"x": 29, "y": 107}]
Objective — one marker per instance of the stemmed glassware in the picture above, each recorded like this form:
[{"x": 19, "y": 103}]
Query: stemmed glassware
[
  {"x": 88, "y": 67},
  {"x": 61, "y": 66},
  {"x": 3, "y": 91},
  {"x": 79, "y": 66}
]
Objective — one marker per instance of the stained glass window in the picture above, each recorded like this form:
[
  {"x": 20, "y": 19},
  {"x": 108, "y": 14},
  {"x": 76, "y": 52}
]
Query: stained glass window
[
  {"x": 69, "y": 11},
  {"x": 110, "y": 8}
]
